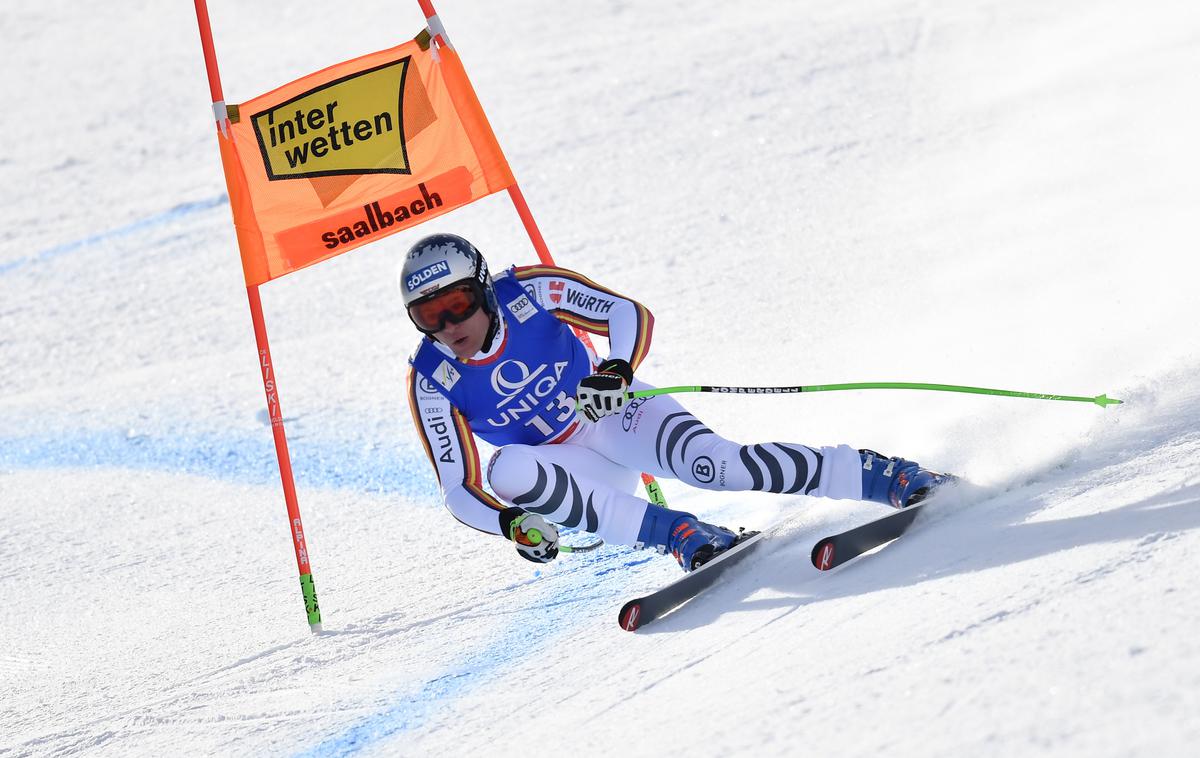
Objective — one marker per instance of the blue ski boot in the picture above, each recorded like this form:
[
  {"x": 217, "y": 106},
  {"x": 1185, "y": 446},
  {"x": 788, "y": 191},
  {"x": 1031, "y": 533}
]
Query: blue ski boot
[
  {"x": 897, "y": 482},
  {"x": 690, "y": 540}
]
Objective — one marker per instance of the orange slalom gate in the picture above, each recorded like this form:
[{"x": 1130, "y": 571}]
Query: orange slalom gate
[{"x": 343, "y": 157}]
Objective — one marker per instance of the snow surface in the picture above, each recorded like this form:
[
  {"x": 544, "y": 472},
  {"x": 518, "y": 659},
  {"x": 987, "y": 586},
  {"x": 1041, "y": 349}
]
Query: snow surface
[{"x": 997, "y": 194}]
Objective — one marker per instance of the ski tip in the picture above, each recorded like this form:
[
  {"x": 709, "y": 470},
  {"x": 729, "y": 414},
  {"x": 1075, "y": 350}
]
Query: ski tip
[
  {"x": 631, "y": 615},
  {"x": 822, "y": 555}
]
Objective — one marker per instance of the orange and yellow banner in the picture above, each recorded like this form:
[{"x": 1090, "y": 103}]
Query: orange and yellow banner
[{"x": 352, "y": 153}]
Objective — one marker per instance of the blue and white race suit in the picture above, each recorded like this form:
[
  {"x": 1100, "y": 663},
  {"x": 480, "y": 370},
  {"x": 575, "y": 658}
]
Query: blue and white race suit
[{"x": 520, "y": 397}]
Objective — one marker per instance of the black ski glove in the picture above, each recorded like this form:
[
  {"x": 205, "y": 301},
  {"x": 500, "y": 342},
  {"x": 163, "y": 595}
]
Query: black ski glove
[{"x": 603, "y": 393}]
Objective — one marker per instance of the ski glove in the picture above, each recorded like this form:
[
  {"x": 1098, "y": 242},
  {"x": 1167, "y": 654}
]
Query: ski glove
[
  {"x": 535, "y": 537},
  {"x": 603, "y": 393}
]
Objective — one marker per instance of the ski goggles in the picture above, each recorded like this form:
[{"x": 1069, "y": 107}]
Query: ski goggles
[{"x": 449, "y": 305}]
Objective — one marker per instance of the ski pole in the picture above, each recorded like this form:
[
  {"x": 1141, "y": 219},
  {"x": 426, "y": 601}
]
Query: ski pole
[
  {"x": 1100, "y": 400},
  {"x": 535, "y": 538},
  {"x": 581, "y": 548}
]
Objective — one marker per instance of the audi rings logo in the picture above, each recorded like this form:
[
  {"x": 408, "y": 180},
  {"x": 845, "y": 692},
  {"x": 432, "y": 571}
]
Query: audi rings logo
[
  {"x": 631, "y": 410},
  {"x": 703, "y": 469}
]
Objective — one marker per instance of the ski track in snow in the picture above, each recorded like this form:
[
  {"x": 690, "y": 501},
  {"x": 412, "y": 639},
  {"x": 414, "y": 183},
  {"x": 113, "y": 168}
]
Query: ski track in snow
[{"x": 144, "y": 225}]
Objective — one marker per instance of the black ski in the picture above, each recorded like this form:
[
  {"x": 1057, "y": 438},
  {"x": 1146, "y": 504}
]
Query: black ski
[
  {"x": 641, "y": 611},
  {"x": 836, "y": 549}
]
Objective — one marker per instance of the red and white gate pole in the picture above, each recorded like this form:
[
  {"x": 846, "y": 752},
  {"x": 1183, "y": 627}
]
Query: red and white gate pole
[{"x": 295, "y": 527}]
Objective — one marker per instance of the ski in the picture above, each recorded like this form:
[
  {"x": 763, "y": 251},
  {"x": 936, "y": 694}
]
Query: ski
[
  {"x": 643, "y": 610},
  {"x": 836, "y": 549}
]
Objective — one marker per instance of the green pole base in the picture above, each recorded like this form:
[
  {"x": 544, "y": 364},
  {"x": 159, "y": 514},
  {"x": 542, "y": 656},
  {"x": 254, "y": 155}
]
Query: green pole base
[
  {"x": 310, "y": 602},
  {"x": 656, "y": 494}
]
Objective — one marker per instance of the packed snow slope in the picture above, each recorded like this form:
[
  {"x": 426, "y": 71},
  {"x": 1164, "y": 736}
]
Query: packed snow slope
[{"x": 982, "y": 193}]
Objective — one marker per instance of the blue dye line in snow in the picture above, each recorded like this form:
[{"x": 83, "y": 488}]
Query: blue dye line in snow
[
  {"x": 179, "y": 211},
  {"x": 410, "y": 709},
  {"x": 322, "y": 464},
  {"x": 248, "y": 459},
  {"x": 335, "y": 464}
]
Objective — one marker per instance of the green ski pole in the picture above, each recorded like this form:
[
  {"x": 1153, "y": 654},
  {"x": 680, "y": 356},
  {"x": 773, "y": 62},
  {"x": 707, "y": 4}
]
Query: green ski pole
[{"x": 1101, "y": 400}]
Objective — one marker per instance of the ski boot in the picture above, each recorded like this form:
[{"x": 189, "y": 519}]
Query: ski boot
[
  {"x": 897, "y": 482},
  {"x": 690, "y": 540}
]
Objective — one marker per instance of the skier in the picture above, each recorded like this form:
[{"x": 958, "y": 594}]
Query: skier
[{"x": 499, "y": 360}]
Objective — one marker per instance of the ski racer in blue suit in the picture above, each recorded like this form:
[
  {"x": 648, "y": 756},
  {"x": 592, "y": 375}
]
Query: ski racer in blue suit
[{"x": 500, "y": 361}]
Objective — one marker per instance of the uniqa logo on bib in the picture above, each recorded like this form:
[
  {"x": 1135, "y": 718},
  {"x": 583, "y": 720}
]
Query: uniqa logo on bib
[{"x": 522, "y": 390}]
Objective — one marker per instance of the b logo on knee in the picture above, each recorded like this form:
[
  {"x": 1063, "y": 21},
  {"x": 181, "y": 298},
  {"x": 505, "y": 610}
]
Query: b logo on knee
[{"x": 703, "y": 469}]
